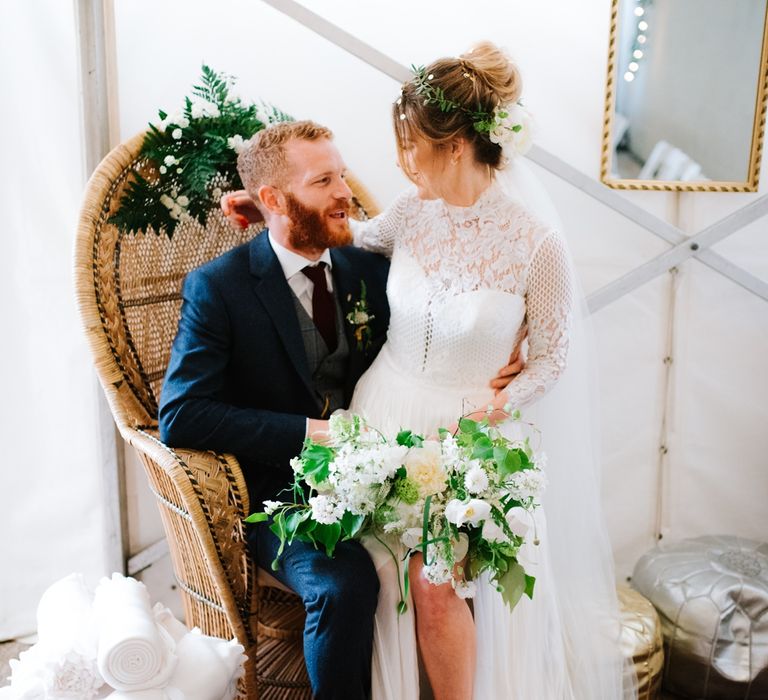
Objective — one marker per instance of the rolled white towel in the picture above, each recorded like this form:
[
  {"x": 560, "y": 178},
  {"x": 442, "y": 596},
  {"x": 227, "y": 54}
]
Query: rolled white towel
[
  {"x": 65, "y": 617},
  {"x": 134, "y": 653},
  {"x": 42, "y": 672},
  {"x": 208, "y": 667},
  {"x": 165, "y": 618}
]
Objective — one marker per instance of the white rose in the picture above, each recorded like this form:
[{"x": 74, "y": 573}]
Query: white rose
[
  {"x": 359, "y": 317},
  {"x": 166, "y": 201},
  {"x": 424, "y": 467},
  {"x": 183, "y": 201},
  {"x": 473, "y": 512},
  {"x": 176, "y": 133},
  {"x": 514, "y": 130},
  {"x": 163, "y": 170},
  {"x": 170, "y": 160}
]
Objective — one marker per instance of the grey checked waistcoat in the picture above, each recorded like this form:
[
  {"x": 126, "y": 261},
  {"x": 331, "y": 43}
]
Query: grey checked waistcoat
[{"x": 328, "y": 371}]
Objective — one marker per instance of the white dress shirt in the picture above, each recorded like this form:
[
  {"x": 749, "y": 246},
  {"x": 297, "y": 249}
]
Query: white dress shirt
[{"x": 293, "y": 264}]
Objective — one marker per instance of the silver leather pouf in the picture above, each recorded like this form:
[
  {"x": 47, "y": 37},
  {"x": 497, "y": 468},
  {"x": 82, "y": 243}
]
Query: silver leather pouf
[{"x": 712, "y": 597}]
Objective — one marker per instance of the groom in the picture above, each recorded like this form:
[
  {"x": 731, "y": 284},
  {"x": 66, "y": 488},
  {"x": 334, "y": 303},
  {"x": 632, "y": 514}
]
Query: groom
[{"x": 265, "y": 353}]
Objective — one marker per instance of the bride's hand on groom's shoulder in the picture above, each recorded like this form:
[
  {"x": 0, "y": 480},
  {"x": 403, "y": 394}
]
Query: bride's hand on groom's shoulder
[
  {"x": 509, "y": 371},
  {"x": 241, "y": 211}
]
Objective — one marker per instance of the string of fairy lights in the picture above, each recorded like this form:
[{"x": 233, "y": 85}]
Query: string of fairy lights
[{"x": 641, "y": 37}]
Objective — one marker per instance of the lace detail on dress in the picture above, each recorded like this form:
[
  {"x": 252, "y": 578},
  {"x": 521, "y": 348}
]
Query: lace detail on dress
[
  {"x": 463, "y": 283},
  {"x": 378, "y": 234}
]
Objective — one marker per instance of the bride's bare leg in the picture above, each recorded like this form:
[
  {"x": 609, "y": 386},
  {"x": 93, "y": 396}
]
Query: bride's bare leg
[{"x": 446, "y": 634}]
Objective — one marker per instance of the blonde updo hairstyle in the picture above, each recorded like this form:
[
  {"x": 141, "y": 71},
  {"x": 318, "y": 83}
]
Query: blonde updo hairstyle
[{"x": 482, "y": 77}]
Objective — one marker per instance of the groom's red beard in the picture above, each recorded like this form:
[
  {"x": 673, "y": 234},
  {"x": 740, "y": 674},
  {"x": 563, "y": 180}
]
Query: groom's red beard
[{"x": 311, "y": 228}]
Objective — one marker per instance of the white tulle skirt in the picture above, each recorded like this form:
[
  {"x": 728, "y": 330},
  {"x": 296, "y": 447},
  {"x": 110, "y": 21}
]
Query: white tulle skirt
[{"x": 520, "y": 654}]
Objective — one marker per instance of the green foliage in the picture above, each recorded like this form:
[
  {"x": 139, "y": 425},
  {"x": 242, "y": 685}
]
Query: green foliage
[
  {"x": 187, "y": 160},
  {"x": 512, "y": 584},
  {"x": 408, "y": 439}
]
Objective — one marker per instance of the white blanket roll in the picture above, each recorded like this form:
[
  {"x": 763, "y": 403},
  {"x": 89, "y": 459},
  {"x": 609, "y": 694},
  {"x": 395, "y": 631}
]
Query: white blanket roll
[{"x": 134, "y": 653}]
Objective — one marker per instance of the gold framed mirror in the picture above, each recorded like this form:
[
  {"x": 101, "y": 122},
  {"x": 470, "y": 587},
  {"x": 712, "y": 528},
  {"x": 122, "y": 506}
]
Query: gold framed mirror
[{"x": 685, "y": 105}]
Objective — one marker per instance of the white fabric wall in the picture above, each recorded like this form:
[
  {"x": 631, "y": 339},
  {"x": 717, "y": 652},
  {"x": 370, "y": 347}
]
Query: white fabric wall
[
  {"x": 50, "y": 496},
  {"x": 714, "y": 478}
]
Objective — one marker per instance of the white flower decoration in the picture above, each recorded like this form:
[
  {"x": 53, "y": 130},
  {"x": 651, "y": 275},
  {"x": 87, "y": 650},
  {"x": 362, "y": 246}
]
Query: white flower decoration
[
  {"x": 237, "y": 143},
  {"x": 271, "y": 506},
  {"x": 476, "y": 480},
  {"x": 473, "y": 512},
  {"x": 513, "y": 130},
  {"x": 326, "y": 510},
  {"x": 465, "y": 589}
]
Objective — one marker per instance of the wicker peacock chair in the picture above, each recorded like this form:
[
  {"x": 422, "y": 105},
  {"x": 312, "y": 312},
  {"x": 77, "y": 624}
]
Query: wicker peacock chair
[{"x": 129, "y": 295}]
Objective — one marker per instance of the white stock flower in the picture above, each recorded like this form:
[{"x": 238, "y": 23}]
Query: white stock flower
[
  {"x": 527, "y": 484},
  {"x": 519, "y": 520},
  {"x": 492, "y": 532},
  {"x": 438, "y": 572},
  {"x": 296, "y": 464},
  {"x": 424, "y": 467},
  {"x": 325, "y": 510},
  {"x": 473, "y": 512},
  {"x": 465, "y": 589},
  {"x": 237, "y": 143},
  {"x": 271, "y": 506},
  {"x": 476, "y": 480}
]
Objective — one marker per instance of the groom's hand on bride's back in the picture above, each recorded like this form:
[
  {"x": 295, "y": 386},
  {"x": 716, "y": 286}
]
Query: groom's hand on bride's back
[
  {"x": 507, "y": 373},
  {"x": 240, "y": 209}
]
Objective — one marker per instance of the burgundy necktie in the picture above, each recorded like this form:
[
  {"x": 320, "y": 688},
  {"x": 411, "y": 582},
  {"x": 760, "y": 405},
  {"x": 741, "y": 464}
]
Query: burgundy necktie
[{"x": 323, "y": 307}]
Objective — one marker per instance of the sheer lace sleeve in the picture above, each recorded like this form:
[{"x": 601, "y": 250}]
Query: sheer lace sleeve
[
  {"x": 380, "y": 233},
  {"x": 549, "y": 308}
]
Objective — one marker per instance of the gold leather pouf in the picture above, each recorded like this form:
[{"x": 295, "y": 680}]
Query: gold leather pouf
[
  {"x": 711, "y": 594},
  {"x": 641, "y": 641}
]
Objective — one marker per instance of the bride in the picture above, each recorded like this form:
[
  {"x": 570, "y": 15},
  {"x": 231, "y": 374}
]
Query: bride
[
  {"x": 477, "y": 261},
  {"x": 473, "y": 268}
]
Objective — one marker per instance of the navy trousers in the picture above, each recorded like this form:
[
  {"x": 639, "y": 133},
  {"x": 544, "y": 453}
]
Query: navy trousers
[{"x": 340, "y": 596}]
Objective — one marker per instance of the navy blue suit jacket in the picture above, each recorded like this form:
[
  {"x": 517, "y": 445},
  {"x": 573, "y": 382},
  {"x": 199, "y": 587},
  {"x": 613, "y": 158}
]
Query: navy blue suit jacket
[{"x": 238, "y": 379}]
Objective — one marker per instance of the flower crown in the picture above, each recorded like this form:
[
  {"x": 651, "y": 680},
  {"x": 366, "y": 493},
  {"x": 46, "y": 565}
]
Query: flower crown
[{"x": 509, "y": 126}]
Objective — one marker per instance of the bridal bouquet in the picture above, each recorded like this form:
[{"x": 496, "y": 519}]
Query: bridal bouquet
[{"x": 465, "y": 501}]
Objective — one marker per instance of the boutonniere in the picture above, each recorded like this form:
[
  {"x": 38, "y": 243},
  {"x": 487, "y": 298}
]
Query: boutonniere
[{"x": 360, "y": 317}]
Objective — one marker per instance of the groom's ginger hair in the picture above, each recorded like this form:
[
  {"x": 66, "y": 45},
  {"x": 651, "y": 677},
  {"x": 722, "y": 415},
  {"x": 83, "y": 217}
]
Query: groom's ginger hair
[{"x": 263, "y": 160}]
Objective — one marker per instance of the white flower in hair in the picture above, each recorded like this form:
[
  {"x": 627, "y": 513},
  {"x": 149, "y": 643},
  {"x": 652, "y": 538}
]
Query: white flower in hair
[{"x": 513, "y": 129}]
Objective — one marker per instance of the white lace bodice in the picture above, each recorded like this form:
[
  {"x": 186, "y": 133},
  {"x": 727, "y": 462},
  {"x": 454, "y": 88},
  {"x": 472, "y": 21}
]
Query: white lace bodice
[{"x": 464, "y": 284}]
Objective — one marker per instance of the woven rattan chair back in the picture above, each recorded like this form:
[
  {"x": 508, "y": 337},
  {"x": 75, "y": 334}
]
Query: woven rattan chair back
[{"x": 129, "y": 295}]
